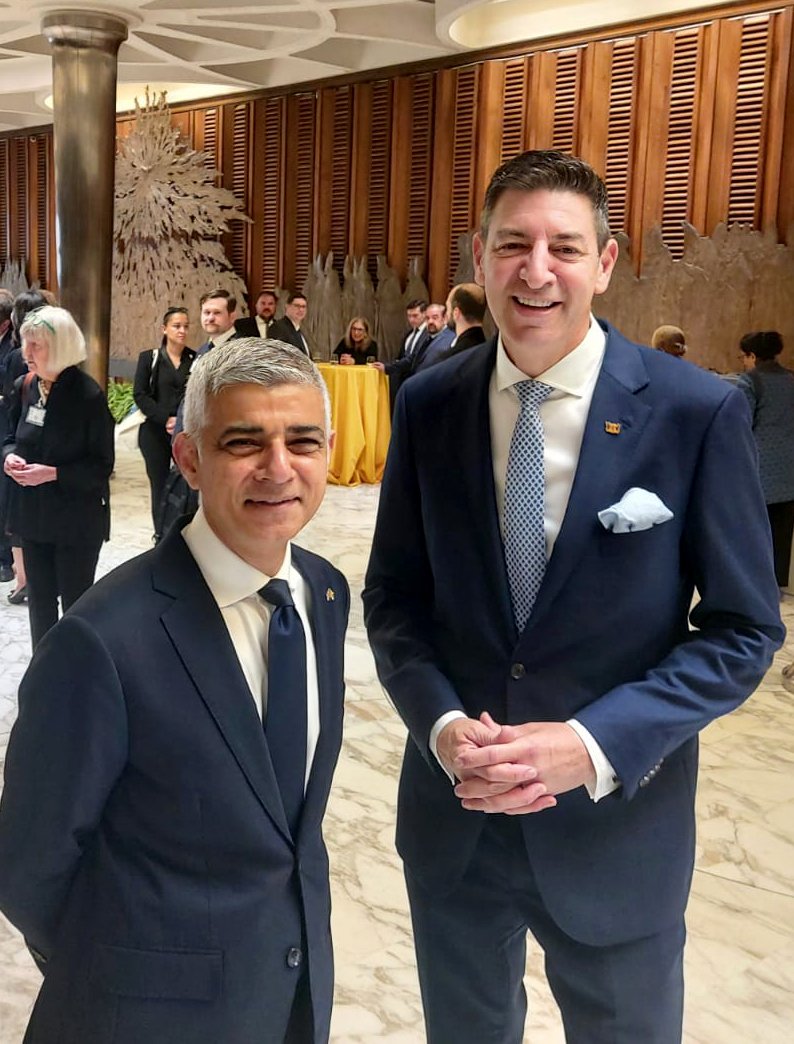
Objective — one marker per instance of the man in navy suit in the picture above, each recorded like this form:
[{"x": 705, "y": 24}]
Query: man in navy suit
[
  {"x": 162, "y": 857},
  {"x": 550, "y": 505}
]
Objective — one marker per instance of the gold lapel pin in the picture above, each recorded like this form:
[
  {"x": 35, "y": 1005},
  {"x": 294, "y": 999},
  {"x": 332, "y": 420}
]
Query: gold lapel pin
[
  {"x": 612, "y": 427},
  {"x": 329, "y": 595}
]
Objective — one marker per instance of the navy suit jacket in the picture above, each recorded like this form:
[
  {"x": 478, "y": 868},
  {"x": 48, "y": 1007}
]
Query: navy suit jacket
[
  {"x": 608, "y": 640},
  {"x": 144, "y": 850}
]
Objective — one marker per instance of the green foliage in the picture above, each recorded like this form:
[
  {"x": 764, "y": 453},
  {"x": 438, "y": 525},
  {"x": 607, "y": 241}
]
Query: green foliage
[{"x": 120, "y": 399}]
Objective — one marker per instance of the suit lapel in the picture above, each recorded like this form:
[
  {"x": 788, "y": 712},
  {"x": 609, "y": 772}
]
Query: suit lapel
[
  {"x": 471, "y": 429},
  {"x": 604, "y": 459},
  {"x": 199, "y": 635}
]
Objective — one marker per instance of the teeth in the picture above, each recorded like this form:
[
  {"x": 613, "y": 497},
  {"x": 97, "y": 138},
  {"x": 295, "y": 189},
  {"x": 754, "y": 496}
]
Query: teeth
[{"x": 534, "y": 304}]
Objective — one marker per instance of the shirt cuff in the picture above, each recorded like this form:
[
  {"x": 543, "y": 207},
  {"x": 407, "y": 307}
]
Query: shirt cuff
[
  {"x": 445, "y": 719},
  {"x": 606, "y": 779}
]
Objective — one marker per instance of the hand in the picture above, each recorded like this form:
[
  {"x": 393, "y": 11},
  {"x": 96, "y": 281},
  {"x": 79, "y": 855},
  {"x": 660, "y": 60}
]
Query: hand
[
  {"x": 13, "y": 465},
  {"x": 552, "y": 748},
  {"x": 34, "y": 474},
  {"x": 379, "y": 366},
  {"x": 346, "y": 360},
  {"x": 170, "y": 424}
]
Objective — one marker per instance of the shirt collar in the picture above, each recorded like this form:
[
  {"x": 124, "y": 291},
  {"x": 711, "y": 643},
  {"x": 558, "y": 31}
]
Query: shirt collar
[
  {"x": 573, "y": 373},
  {"x": 229, "y": 577},
  {"x": 220, "y": 339}
]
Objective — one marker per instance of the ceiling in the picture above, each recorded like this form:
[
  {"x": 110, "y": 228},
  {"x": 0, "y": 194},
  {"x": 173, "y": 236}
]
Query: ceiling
[{"x": 205, "y": 48}]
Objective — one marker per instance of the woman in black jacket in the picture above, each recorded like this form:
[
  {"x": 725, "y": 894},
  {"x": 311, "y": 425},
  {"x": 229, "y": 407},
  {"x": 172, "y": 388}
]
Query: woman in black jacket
[
  {"x": 59, "y": 454},
  {"x": 159, "y": 386}
]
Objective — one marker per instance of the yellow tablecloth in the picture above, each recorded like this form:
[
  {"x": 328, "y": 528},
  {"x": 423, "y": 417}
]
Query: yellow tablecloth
[{"x": 361, "y": 417}]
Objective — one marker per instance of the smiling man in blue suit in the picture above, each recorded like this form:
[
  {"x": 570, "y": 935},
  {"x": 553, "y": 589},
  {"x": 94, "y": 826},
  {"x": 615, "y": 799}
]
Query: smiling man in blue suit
[
  {"x": 551, "y": 504},
  {"x": 160, "y": 828}
]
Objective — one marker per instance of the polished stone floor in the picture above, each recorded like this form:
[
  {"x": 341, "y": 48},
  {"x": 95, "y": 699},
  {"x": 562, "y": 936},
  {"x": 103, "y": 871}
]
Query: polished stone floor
[{"x": 740, "y": 957}]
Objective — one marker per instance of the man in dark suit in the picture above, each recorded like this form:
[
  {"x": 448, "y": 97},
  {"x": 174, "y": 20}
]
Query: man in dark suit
[
  {"x": 550, "y": 502},
  {"x": 167, "y": 868},
  {"x": 257, "y": 325},
  {"x": 427, "y": 347},
  {"x": 288, "y": 328},
  {"x": 466, "y": 307}
]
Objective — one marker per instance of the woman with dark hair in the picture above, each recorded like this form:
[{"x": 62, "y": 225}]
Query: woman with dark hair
[
  {"x": 160, "y": 380},
  {"x": 357, "y": 344},
  {"x": 770, "y": 390},
  {"x": 16, "y": 367},
  {"x": 59, "y": 454}
]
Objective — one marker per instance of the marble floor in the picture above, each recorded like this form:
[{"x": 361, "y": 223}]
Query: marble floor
[{"x": 740, "y": 956}]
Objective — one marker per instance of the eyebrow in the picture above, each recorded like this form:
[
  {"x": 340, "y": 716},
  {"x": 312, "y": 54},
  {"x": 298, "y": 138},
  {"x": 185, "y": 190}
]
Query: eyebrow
[
  {"x": 257, "y": 429},
  {"x": 556, "y": 237}
]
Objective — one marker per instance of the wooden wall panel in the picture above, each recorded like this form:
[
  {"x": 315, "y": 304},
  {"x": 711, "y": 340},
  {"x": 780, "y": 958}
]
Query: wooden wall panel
[
  {"x": 236, "y": 158},
  {"x": 5, "y": 201},
  {"x": 299, "y": 190},
  {"x": 268, "y": 195}
]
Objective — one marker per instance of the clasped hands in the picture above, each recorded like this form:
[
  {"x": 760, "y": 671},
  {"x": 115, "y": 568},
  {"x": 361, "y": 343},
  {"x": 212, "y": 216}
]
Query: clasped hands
[
  {"x": 25, "y": 474},
  {"x": 515, "y": 769}
]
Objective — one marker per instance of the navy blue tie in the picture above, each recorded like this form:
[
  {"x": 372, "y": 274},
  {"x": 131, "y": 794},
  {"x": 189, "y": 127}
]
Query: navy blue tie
[{"x": 285, "y": 718}]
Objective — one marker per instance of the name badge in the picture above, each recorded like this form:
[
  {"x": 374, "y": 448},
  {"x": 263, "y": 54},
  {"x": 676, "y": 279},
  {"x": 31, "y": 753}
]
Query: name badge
[{"x": 36, "y": 415}]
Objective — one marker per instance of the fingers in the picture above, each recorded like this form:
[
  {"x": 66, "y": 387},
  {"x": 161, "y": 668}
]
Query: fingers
[{"x": 520, "y": 800}]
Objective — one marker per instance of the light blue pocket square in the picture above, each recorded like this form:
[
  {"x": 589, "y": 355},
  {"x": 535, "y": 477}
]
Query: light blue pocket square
[{"x": 637, "y": 509}]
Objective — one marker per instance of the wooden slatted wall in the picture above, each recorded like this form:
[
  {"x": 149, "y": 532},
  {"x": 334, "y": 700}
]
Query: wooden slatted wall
[{"x": 687, "y": 122}]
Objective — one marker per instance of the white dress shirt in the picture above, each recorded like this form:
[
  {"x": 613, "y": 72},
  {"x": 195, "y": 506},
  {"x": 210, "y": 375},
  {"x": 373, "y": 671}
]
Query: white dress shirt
[
  {"x": 234, "y": 584},
  {"x": 219, "y": 339},
  {"x": 262, "y": 325},
  {"x": 564, "y": 416}
]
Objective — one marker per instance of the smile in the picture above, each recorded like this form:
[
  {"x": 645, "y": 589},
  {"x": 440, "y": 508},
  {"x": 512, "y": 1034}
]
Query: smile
[{"x": 541, "y": 306}]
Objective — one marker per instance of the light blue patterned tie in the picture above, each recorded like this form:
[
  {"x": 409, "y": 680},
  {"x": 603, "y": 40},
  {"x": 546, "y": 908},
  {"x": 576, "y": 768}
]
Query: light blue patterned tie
[{"x": 525, "y": 494}]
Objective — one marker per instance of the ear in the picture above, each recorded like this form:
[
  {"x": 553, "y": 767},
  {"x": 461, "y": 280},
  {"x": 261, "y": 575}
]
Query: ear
[
  {"x": 606, "y": 264},
  {"x": 478, "y": 250},
  {"x": 186, "y": 455}
]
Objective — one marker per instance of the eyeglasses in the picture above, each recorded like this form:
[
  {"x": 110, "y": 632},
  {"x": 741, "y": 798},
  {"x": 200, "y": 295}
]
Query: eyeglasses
[{"x": 34, "y": 319}]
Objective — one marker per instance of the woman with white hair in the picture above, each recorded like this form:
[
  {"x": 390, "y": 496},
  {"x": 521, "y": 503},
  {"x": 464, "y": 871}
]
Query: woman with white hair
[{"x": 59, "y": 453}]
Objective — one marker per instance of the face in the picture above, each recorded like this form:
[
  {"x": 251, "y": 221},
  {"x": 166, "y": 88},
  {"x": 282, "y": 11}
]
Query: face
[
  {"x": 266, "y": 306},
  {"x": 450, "y": 311},
  {"x": 176, "y": 328},
  {"x": 215, "y": 316},
  {"x": 415, "y": 317},
  {"x": 748, "y": 361},
  {"x": 676, "y": 347},
  {"x": 436, "y": 318},
  {"x": 541, "y": 266},
  {"x": 357, "y": 333},
  {"x": 297, "y": 310},
  {"x": 260, "y": 465},
  {"x": 36, "y": 354}
]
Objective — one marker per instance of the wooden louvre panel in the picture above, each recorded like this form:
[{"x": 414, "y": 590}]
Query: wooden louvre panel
[
  {"x": 339, "y": 188},
  {"x": 620, "y": 131},
  {"x": 42, "y": 208},
  {"x": 746, "y": 174},
  {"x": 421, "y": 165},
  {"x": 379, "y": 173},
  {"x": 514, "y": 112},
  {"x": 272, "y": 192},
  {"x": 566, "y": 96},
  {"x": 207, "y": 138},
  {"x": 681, "y": 132},
  {"x": 461, "y": 218},
  {"x": 302, "y": 177},
  {"x": 19, "y": 201},
  {"x": 240, "y": 149},
  {"x": 5, "y": 216}
]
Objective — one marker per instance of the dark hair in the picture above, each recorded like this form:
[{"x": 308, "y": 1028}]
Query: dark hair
[
  {"x": 231, "y": 302},
  {"x": 173, "y": 310},
  {"x": 6, "y": 304},
  {"x": 554, "y": 171},
  {"x": 764, "y": 345},
  {"x": 470, "y": 299},
  {"x": 417, "y": 303},
  {"x": 27, "y": 301},
  {"x": 267, "y": 293},
  {"x": 296, "y": 295}
]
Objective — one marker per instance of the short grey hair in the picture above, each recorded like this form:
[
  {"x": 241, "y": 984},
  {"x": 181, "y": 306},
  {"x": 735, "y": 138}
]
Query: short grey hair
[
  {"x": 248, "y": 360},
  {"x": 56, "y": 328}
]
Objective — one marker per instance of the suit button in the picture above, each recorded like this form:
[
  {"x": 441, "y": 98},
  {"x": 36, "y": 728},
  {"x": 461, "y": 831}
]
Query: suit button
[
  {"x": 518, "y": 670},
  {"x": 294, "y": 957}
]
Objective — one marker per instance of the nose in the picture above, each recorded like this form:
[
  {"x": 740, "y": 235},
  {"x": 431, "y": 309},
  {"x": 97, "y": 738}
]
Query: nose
[
  {"x": 275, "y": 463},
  {"x": 535, "y": 269}
]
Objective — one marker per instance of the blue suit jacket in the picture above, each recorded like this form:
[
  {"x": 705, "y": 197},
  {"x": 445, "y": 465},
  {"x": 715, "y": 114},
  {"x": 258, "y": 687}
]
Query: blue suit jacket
[
  {"x": 144, "y": 849},
  {"x": 608, "y": 640}
]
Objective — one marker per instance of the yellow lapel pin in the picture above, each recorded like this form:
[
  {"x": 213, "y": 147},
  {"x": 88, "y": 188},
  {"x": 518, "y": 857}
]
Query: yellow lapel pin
[
  {"x": 612, "y": 427},
  {"x": 329, "y": 595}
]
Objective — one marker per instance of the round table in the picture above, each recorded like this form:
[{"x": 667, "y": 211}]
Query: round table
[{"x": 361, "y": 418}]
